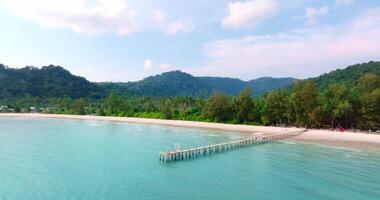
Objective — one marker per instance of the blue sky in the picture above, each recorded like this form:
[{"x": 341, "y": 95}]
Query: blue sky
[{"x": 127, "y": 40}]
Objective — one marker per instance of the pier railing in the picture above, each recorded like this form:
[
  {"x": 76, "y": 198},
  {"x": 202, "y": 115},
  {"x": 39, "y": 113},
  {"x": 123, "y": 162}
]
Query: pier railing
[{"x": 185, "y": 154}]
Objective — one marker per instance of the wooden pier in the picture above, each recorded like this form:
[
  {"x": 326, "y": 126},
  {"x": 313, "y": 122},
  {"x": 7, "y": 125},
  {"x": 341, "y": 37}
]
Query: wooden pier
[{"x": 185, "y": 154}]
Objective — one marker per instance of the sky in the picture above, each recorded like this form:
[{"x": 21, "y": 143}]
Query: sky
[{"x": 127, "y": 40}]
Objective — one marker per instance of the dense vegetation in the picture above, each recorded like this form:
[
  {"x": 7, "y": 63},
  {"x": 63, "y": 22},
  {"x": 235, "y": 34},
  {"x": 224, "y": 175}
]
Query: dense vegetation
[
  {"x": 177, "y": 83},
  {"x": 348, "y": 76},
  {"x": 54, "y": 81},
  {"x": 47, "y": 82},
  {"x": 173, "y": 83},
  {"x": 327, "y": 101}
]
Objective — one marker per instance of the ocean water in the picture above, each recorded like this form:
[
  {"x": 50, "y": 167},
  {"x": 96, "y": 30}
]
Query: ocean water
[{"x": 72, "y": 159}]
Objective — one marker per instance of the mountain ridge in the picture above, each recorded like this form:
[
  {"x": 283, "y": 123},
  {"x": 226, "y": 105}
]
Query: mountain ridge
[
  {"x": 55, "y": 81},
  {"x": 178, "y": 83}
]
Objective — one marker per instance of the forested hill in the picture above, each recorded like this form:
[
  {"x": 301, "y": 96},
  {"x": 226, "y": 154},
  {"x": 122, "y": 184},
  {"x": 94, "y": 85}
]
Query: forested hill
[
  {"x": 266, "y": 84},
  {"x": 55, "y": 81},
  {"x": 232, "y": 86},
  {"x": 177, "y": 83},
  {"x": 347, "y": 76},
  {"x": 173, "y": 83},
  {"x": 47, "y": 82}
]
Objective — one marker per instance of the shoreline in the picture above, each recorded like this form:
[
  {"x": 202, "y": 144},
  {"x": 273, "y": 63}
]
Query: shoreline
[
  {"x": 358, "y": 140},
  {"x": 178, "y": 123}
]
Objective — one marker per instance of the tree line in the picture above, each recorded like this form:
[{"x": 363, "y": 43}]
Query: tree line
[{"x": 302, "y": 105}]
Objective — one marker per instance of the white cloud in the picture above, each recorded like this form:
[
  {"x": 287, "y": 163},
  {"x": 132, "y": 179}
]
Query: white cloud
[
  {"x": 242, "y": 14},
  {"x": 343, "y": 2},
  {"x": 312, "y": 14},
  {"x": 301, "y": 53},
  {"x": 171, "y": 28},
  {"x": 80, "y": 16},
  {"x": 99, "y": 16},
  {"x": 148, "y": 64}
]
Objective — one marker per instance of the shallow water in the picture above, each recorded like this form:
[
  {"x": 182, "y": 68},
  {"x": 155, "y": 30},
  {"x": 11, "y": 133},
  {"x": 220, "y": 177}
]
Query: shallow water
[{"x": 74, "y": 159}]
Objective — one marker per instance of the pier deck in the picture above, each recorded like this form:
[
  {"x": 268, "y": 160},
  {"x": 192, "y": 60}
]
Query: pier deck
[{"x": 185, "y": 154}]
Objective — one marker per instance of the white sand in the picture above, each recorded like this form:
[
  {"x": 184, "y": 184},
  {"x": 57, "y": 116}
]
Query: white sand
[{"x": 345, "y": 139}]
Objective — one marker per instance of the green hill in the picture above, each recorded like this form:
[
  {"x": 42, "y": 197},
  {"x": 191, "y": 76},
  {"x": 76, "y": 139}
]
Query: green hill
[
  {"x": 264, "y": 85},
  {"x": 173, "y": 83},
  {"x": 55, "y": 81},
  {"x": 177, "y": 83},
  {"x": 49, "y": 81},
  {"x": 231, "y": 86},
  {"x": 347, "y": 76}
]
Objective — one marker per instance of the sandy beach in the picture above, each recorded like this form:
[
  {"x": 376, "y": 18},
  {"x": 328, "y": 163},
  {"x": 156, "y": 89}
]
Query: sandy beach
[
  {"x": 358, "y": 140},
  {"x": 324, "y": 137}
]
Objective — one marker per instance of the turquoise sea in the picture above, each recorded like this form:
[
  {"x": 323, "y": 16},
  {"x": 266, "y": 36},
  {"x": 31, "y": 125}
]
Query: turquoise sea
[{"x": 72, "y": 159}]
